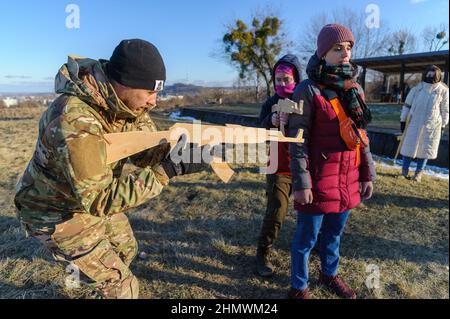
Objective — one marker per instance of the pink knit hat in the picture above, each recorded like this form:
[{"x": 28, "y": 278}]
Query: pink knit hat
[
  {"x": 330, "y": 35},
  {"x": 284, "y": 68}
]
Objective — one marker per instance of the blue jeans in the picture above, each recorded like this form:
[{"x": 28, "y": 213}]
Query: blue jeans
[
  {"x": 308, "y": 227},
  {"x": 421, "y": 162}
]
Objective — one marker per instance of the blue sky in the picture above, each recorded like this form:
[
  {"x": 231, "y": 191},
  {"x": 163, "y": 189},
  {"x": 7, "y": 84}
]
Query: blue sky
[{"x": 36, "y": 41}]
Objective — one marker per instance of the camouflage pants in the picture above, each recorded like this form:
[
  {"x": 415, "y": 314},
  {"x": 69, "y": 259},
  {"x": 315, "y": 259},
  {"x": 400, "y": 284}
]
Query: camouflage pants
[{"x": 101, "y": 248}]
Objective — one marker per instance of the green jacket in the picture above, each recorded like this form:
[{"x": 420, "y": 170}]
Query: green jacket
[{"x": 68, "y": 172}]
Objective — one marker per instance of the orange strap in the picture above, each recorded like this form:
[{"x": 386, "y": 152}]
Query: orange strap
[
  {"x": 337, "y": 107},
  {"x": 358, "y": 151}
]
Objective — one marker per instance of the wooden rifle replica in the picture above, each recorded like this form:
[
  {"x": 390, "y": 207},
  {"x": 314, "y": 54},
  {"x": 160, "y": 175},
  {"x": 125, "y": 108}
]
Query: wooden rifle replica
[
  {"x": 123, "y": 145},
  {"x": 289, "y": 107}
]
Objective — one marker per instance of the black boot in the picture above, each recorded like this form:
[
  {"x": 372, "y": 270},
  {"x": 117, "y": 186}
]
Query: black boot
[
  {"x": 264, "y": 267},
  {"x": 405, "y": 173}
]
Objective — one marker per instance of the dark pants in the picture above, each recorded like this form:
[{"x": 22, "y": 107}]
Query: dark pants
[
  {"x": 421, "y": 163},
  {"x": 278, "y": 191}
]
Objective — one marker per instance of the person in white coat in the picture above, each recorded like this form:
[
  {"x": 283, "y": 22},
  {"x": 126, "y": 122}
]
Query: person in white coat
[{"x": 427, "y": 106}]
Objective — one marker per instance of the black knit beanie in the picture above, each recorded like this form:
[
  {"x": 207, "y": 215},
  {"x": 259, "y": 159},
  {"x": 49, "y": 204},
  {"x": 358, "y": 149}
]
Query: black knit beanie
[{"x": 137, "y": 64}]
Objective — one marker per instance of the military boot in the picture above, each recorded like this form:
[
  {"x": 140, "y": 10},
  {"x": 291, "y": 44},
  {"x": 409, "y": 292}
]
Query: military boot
[{"x": 264, "y": 267}]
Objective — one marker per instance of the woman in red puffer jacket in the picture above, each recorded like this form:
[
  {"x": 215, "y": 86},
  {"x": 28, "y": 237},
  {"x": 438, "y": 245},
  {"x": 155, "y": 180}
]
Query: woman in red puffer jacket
[{"x": 328, "y": 178}]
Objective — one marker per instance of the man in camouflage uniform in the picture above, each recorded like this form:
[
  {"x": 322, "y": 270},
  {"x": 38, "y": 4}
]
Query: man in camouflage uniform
[{"x": 68, "y": 197}]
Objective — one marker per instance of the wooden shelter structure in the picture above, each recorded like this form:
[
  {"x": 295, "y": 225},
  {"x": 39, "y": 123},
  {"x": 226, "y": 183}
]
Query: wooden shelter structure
[{"x": 402, "y": 64}]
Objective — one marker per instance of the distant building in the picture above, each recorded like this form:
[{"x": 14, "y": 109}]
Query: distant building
[
  {"x": 170, "y": 97},
  {"x": 10, "y": 102},
  {"x": 215, "y": 101},
  {"x": 390, "y": 66},
  {"x": 47, "y": 102}
]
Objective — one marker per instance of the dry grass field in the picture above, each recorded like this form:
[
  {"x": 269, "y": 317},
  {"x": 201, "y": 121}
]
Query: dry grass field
[{"x": 200, "y": 234}]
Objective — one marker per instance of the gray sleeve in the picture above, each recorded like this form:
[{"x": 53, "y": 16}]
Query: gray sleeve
[
  {"x": 299, "y": 152},
  {"x": 367, "y": 172}
]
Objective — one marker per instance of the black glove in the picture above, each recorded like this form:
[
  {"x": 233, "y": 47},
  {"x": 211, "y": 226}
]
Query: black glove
[
  {"x": 173, "y": 169},
  {"x": 185, "y": 159},
  {"x": 402, "y": 126}
]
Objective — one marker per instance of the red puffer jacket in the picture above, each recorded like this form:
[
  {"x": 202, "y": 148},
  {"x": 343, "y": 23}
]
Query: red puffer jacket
[{"x": 323, "y": 163}]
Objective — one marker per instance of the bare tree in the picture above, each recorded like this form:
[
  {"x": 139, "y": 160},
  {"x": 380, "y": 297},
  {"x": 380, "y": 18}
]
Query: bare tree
[
  {"x": 308, "y": 38},
  {"x": 254, "y": 46},
  {"x": 368, "y": 41},
  {"x": 253, "y": 49},
  {"x": 253, "y": 79},
  {"x": 435, "y": 38},
  {"x": 401, "y": 41}
]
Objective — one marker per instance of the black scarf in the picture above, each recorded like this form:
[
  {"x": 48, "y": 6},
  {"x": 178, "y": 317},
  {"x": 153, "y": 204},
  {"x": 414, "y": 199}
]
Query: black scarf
[{"x": 341, "y": 79}]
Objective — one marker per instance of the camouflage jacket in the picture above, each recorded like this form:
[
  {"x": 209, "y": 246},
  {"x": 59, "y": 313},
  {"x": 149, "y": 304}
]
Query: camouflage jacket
[{"x": 68, "y": 172}]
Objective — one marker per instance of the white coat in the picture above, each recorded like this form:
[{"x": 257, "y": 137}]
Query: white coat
[{"x": 428, "y": 105}]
